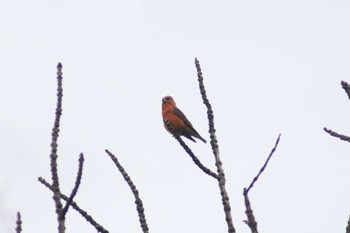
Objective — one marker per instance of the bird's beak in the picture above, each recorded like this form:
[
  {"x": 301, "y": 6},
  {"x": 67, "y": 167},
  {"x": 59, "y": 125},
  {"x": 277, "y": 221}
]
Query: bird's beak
[{"x": 163, "y": 100}]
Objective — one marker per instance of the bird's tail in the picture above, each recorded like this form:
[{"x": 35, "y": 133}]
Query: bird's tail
[{"x": 201, "y": 138}]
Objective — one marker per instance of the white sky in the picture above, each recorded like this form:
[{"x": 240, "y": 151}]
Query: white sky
[{"x": 270, "y": 67}]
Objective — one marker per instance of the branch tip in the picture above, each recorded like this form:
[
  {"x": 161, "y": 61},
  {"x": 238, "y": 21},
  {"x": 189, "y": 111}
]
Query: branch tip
[
  {"x": 53, "y": 154},
  {"x": 337, "y": 135},
  {"x": 215, "y": 148},
  {"x": 76, "y": 186},
  {"x": 245, "y": 192},
  {"x": 138, "y": 201},
  {"x": 18, "y": 223},
  {"x": 346, "y": 88}
]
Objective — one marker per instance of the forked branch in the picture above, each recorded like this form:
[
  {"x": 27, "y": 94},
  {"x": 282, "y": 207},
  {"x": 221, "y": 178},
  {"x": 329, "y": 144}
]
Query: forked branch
[
  {"x": 57, "y": 195},
  {"x": 75, "y": 206},
  {"x": 251, "y": 222},
  {"x": 253, "y": 225}
]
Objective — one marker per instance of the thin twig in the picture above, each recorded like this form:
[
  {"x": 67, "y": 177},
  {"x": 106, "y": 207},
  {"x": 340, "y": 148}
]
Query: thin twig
[
  {"x": 253, "y": 225},
  {"x": 76, "y": 186},
  {"x": 346, "y": 88},
  {"x": 337, "y": 135},
  {"x": 138, "y": 201},
  {"x": 264, "y": 166},
  {"x": 18, "y": 223},
  {"x": 215, "y": 147},
  {"x": 53, "y": 155},
  {"x": 75, "y": 206},
  {"x": 195, "y": 159}
]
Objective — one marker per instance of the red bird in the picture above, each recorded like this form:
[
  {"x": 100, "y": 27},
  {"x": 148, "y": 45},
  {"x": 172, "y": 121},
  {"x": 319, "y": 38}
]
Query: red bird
[{"x": 175, "y": 122}]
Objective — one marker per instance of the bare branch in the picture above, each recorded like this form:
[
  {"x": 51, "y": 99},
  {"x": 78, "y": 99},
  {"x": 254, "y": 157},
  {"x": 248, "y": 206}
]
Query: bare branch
[
  {"x": 264, "y": 166},
  {"x": 337, "y": 135},
  {"x": 215, "y": 148},
  {"x": 253, "y": 225},
  {"x": 138, "y": 201},
  {"x": 346, "y": 88},
  {"x": 53, "y": 155},
  {"x": 195, "y": 159},
  {"x": 76, "y": 186},
  {"x": 75, "y": 206},
  {"x": 18, "y": 223}
]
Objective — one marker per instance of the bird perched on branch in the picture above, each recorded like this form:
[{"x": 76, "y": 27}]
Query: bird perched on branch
[{"x": 175, "y": 122}]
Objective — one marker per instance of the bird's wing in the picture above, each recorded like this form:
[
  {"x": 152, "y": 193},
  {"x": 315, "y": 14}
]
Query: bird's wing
[
  {"x": 182, "y": 116},
  {"x": 177, "y": 112}
]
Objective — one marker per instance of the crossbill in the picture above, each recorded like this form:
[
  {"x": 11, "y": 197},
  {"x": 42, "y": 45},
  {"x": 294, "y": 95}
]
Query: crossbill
[{"x": 175, "y": 122}]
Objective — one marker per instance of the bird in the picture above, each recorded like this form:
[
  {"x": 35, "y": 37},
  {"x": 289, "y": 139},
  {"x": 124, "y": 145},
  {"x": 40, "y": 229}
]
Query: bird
[{"x": 175, "y": 121}]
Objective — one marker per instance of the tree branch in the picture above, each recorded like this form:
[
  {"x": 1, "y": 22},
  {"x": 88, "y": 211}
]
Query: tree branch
[
  {"x": 75, "y": 206},
  {"x": 251, "y": 222},
  {"x": 18, "y": 223},
  {"x": 138, "y": 201},
  {"x": 76, "y": 186},
  {"x": 195, "y": 159},
  {"x": 265, "y": 164},
  {"x": 346, "y": 88},
  {"x": 216, "y": 152},
  {"x": 337, "y": 135},
  {"x": 53, "y": 155},
  {"x": 253, "y": 225}
]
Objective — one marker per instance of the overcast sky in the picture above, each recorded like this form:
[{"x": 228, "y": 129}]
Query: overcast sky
[{"x": 269, "y": 67}]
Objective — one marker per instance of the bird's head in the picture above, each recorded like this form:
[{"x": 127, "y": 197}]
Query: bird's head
[{"x": 168, "y": 100}]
